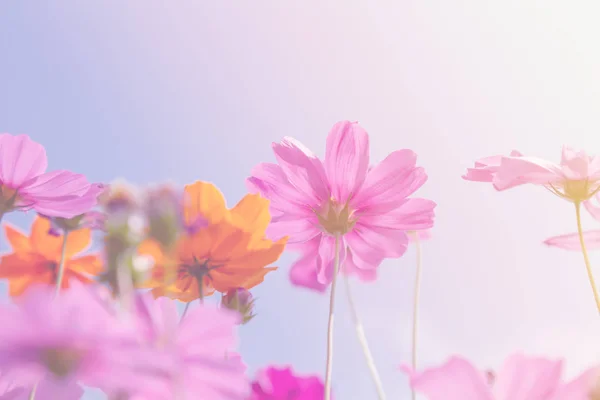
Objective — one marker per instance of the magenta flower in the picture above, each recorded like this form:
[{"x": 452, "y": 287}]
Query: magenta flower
[
  {"x": 312, "y": 202},
  {"x": 70, "y": 338},
  {"x": 25, "y": 184},
  {"x": 196, "y": 350},
  {"x": 520, "y": 378},
  {"x": 282, "y": 384}
]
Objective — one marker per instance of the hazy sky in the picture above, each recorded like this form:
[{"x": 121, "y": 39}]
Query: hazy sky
[{"x": 199, "y": 90}]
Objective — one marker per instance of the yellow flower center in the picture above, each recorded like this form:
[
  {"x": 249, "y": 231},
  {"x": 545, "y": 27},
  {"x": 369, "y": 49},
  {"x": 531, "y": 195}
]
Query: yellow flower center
[
  {"x": 336, "y": 219},
  {"x": 61, "y": 361},
  {"x": 575, "y": 190}
]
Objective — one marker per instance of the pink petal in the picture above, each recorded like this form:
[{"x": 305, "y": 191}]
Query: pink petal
[
  {"x": 303, "y": 169},
  {"x": 21, "y": 159},
  {"x": 326, "y": 258},
  {"x": 486, "y": 168},
  {"x": 390, "y": 182},
  {"x": 421, "y": 235},
  {"x": 579, "y": 388},
  {"x": 571, "y": 241},
  {"x": 373, "y": 243},
  {"x": 525, "y": 378},
  {"x": 299, "y": 230},
  {"x": 515, "y": 171},
  {"x": 304, "y": 271},
  {"x": 56, "y": 184},
  {"x": 574, "y": 164},
  {"x": 455, "y": 380},
  {"x": 350, "y": 268},
  {"x": 270, "y": 181},
  {"x": 346, "y": 159},
  {"x": 412, "y": 214}
]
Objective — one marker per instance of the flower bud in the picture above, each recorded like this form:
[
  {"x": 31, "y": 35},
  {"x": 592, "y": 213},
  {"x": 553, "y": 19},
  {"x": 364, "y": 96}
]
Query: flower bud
[{"x": 240, "y": 300}]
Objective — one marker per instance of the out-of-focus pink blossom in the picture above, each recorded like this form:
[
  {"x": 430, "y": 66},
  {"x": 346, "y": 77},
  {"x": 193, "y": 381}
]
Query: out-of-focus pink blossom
[
  {"x": 520, "y": 378},
  {"x": 485, "y": 168}
]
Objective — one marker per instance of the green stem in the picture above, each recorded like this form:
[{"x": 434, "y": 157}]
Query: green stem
[
  {"x": 416, "y": 294},
  {"x": 329, "y": 360},
  {"x": 362, "y": 338},
  {"x": 61, "y": 265},
  {"x": 586, "y": 259}
]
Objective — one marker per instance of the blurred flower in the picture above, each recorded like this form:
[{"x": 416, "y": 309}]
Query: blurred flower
[
  {"x": 196, "y": 348},
  {"x": 71, "y": 338},
  {"x": 275, "y": 383},
  {"x": 314, "y": 201},
  {"x": 521, "y": 377},
  {"x": 93, "y": 220},
  {"x": 35, "y": 259},
  {"x": 163, "y": 208},
  {"x": 241, "y": 301},
  {"x": 230, "y": 252},
  {"x": 12, "y": 389},
  {"x": 486, "y": 168},
  {"x": 576, "y": 178},
  {"x": 25, "y": 184}
]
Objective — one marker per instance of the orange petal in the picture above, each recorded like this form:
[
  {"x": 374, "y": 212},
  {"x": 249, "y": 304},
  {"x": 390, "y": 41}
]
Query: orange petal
[
  {"x": 17, "y": 239},
  {"x": 90, "y": 264},
  {"x": 223, "y": 282},
  {"x": 198, "y": 245},
  {"x": 50, "y": 246},
  {"x": 153, "y": 249},
  {"x": 203, "y": 199},
  {"x": 252, "y": 214},
  {"x": 17, "y": 286},
  {"x": 255, "y": 259},
  {"x": 17, "y": 265}
]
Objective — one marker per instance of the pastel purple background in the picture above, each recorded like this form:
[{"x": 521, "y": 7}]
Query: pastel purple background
[{"x": 199, "y": 90}]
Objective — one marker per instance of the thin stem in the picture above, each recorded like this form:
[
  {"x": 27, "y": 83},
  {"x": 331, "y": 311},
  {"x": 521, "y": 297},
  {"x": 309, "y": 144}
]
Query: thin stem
[
  {"x": 61, "y": 265},
  {"x": 585, "y": 255},
  {"x": 362, "y": 338},
  {"x": 185, "y": 310},
  {"x": 329, "y": 361},
  {"x": 32, "y": 393},
  {"x": 417, "y": 292},
  {"x": 200, "y": 280}
]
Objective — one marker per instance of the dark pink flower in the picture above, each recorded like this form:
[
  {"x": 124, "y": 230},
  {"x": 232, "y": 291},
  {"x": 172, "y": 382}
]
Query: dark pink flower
[
  {"x": 313, "y": 201},
  {"x": 25, "y": 184},
  {"x": 275, "y": 383}
]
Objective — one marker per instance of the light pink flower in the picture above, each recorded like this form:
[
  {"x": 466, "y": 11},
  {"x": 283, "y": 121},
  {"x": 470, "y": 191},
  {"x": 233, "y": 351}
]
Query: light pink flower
[
  {"x": 71, "y": 338},
  {"x": 312, "y": 201},
  {"x": 485, "y": 168},
  {"x": 576, "y": 178},
  {"x": 12, "y": 389},
  {"x": 520, "y": 378},
  {"x": 25, "y": 184},
  {"x": 570, "y": 241},
  {"x": 274, "y": 383},
  {"x": 196, "y": 350}
]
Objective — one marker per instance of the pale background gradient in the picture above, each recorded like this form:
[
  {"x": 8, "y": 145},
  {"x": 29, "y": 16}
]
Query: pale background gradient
[{"x": 199, "y": 89}]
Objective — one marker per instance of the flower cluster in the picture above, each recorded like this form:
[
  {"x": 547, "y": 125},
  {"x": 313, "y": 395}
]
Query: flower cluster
[{"x": 109, "y": 319}]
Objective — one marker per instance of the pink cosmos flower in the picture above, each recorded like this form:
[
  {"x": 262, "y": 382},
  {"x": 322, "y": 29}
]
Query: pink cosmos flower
[
  {"x": 275, "y": 383},
  {"x": 570, "y": 241},
  {"x": 70, "y": 338},
  {"x": 313, "y": 201},
  {"x": 576, "y": 178},
  {"x": 25, "y": 184},
  {"x": 520, "y": 378},
  {"x": 196, "y": 350}
]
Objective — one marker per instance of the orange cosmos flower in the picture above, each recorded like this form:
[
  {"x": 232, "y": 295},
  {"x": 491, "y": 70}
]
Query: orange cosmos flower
[
  {"x": 227, "y": 248},
  {"x": 35, "y": 259}
]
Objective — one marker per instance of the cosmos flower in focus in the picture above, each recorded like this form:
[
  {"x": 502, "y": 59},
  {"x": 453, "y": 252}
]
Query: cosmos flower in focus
[
  {"x": 576, "y": 178},
  {"x": 274, "y": 383},
  {"x": 314, "y": 201},
  {"x": 25, "y": 184},
  {"x": 227, "y": 249},
  {"x": 35, "y": 259},
  {"x": 520, "y": 377},
  {"x": 196, "y": 348},
  {"x": 70, "y": 338}
]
